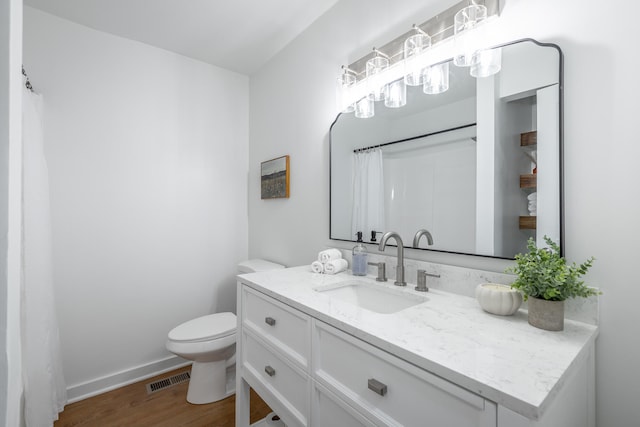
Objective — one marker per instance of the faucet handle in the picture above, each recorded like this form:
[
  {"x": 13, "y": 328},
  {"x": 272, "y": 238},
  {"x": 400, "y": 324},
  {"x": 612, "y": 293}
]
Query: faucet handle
[
  {"x": 382, "y": 271},
  {"x": 422, "y": 281}
]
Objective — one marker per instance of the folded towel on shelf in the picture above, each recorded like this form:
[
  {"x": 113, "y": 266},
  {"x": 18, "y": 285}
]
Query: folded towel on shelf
[
  {"x": 335, "y": 266},
  {"x": 317, "y": 267},
  {"x": 329, "y": 254},
  {"x": 533, "y": 213},
  {"x": 532, "y": 196}
]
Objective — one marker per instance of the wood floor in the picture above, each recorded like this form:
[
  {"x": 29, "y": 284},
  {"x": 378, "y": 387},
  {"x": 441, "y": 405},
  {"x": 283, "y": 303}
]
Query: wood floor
[{"x": 131, "y": 406}]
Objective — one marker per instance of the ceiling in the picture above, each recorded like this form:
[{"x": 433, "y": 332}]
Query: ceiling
[{"x": 239, "y": 35}]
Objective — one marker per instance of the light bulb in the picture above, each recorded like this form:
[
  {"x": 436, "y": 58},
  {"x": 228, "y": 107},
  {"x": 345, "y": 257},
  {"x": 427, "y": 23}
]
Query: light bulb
[
  {"x": 466, "y": 37},
  {"x": 413, "y": 47},
  {"x": 436, "y": 79},
  {"x": 396, "y": 96},
  {"x": 486, "y": 62},
  {"x": 375, "y": 66},
  {"x": 365, "y": 108}
]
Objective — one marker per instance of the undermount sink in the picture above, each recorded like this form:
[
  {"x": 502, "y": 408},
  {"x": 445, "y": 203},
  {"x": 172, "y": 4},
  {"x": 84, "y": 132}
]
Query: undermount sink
[{"x": 371, "y": 297}]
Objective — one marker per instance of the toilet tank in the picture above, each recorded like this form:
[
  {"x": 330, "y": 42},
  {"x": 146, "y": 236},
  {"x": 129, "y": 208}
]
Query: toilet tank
[{"x": 256, "y": 265}]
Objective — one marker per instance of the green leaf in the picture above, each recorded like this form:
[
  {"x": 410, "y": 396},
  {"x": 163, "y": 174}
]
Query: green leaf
[{"x": 543, "y": 273}]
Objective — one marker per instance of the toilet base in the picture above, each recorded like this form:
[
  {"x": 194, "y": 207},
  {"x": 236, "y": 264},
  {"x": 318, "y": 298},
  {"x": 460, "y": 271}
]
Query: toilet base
[{"x": 209, "y": 382}]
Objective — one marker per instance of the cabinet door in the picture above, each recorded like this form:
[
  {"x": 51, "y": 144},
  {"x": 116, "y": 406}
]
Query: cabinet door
[
  {"x": 328, "y": 410},
  {"x": 391, "y": 391},
  {"x": 275, "y": 380},
  {"x": 286, "y": 328}
]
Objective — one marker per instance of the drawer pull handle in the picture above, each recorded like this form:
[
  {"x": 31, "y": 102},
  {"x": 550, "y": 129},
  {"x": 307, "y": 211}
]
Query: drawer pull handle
[
  {"x": 269, "y": 370},
  {"x": 270, "y": 321},
  {"x": 377, "y": 387}
]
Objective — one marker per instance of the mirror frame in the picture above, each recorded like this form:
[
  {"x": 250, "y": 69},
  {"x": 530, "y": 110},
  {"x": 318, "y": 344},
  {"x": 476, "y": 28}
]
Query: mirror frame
[{"x": 560, "y": 154}]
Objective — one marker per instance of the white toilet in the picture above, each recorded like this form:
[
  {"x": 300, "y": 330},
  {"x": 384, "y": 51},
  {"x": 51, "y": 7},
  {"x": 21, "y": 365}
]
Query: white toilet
[{"x": 210, "y": 341}]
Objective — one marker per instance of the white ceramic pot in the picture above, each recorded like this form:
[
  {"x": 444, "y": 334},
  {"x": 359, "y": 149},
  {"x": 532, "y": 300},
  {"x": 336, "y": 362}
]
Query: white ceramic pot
[{"x": 498, "y": 299}]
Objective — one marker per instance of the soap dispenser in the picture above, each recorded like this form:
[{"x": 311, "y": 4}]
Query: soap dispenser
[{"x": 359, "y": 259}]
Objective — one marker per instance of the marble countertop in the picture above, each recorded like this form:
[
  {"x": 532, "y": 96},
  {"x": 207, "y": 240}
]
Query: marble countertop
[{"x": 503, "y": 359}]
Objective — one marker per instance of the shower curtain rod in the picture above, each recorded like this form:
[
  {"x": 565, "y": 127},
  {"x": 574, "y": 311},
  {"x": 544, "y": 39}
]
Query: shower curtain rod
[
  {"x": 27, "y": 83},
  {"x": 358, "y": 150}
]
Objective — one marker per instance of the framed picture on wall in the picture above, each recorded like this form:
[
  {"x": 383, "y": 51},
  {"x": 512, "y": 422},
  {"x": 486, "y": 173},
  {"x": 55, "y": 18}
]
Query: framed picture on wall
[{"x": 274, "y": 178}]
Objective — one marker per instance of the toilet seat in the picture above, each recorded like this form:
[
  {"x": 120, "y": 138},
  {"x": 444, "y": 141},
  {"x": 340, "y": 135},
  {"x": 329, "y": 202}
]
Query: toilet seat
[{"x": 205, "y": 328}]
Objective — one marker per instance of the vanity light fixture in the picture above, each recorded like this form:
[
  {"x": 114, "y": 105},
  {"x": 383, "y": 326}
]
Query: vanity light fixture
[
  {"x": 414, "y": 46},
  {"x": 436, "y": 79},
  {"x": 375, "y": 67},
  {"x": 486, "y": 62},
  {"x": 365, "y": 108},
  {"x": 396, "y": 94},
  {"x": 421, "y": 57},
  {"x": 467, "y": 38},
  {"x": 346, "y": 80}
]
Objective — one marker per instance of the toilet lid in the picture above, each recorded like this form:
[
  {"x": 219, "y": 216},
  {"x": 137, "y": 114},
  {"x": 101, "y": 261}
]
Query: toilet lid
[{"x": 205, "y": 328}]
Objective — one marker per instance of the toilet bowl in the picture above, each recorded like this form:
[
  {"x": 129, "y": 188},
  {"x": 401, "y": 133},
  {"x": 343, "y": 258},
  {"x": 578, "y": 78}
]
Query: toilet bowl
[{"x": 210, "y": 341}]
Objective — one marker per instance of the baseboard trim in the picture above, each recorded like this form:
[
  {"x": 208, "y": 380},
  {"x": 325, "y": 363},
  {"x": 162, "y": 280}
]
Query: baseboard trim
[{"x": 120, "y": 379}]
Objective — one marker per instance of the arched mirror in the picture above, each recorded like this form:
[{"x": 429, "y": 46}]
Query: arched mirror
[{"x": 478, "y": 166}]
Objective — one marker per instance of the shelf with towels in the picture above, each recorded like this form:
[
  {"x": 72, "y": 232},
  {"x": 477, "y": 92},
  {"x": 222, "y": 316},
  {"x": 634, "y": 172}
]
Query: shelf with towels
[
  {"x": 529, "y": 182},
  {"x": 527, "y": 222},
  {"x": 528, "y": 138}
]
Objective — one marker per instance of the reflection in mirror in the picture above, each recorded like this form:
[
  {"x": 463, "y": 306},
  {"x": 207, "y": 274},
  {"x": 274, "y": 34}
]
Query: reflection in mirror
[{"x": 462, "y": 164}]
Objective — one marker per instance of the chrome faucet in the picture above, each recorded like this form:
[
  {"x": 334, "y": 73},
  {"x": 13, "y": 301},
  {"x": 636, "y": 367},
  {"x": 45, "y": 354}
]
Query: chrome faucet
[
  {"x": 419, "y": 234},
  {"x": 400, "y": 268}
]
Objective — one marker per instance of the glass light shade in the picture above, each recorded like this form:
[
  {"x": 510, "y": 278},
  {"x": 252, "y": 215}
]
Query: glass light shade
[
  {"x": 396, "y": 96},
  {"x": 345, "y": 82},
  {"x": 365, "y": 108},
  {"x": 436, "y": 79},
  {"x": 486, "y": 62},
  {"x": 413, "y": 47},
  {"x": 375, "y": 66},
  {"x": 467, "y": 38}
]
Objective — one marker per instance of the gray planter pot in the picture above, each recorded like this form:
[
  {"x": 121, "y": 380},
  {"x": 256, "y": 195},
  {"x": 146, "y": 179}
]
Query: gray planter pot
[{"x": 548, "y": 315}]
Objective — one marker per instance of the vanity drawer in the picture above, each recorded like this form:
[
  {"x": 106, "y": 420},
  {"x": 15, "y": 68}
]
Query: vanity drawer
[
  {"x": 270, "y": 375},
  {"x": 330, "y": 410},
  {"x": 389, "y": 390},
  {"x": 286, "y": 328}
]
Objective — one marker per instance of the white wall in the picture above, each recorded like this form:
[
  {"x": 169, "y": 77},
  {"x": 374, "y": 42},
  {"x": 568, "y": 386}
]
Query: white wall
[
  {"x": 147, "y": 155},
  {"x": 11, "y": 387},
  {"x": 292, "y": 106}
]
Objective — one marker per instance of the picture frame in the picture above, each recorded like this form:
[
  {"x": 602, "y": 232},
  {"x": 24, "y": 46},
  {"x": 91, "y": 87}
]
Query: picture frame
[{"x": 274, "y": 178}]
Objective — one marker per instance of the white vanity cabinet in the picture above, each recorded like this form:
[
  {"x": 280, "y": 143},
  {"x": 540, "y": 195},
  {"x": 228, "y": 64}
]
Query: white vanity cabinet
[
  {"x": 313, "y": 374},
  {"x": 272, "y": 356},
  {"x": 319, "y": 361},
  {"x": 388, "y": 390}
]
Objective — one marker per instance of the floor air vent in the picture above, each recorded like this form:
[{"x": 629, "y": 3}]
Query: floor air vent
[{"x": 168, "y": 382}]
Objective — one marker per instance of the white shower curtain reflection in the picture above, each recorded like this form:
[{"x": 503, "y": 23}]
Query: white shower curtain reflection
[
  {"x": 44, "y": 386},
  {"x": 368, "y": 192}
]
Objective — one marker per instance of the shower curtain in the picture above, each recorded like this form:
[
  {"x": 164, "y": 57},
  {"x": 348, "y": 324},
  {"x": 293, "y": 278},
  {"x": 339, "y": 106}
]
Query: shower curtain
[
  {"x": 368, "y": 193},
  {"x": 44, "y": 386}
]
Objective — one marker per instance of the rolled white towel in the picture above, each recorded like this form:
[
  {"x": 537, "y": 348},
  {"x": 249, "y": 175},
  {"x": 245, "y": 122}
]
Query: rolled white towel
[
  {"x": 533, "y": 213},
  {"x": 532, "y": 196},
  {"x": 317, "y": 267},
  {"x": 335, "y": 266},
  {"x": 329, "y": 254}
]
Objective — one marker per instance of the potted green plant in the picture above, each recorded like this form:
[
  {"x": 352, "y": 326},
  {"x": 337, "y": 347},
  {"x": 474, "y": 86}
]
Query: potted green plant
[{"x": 546, "y": 281}]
